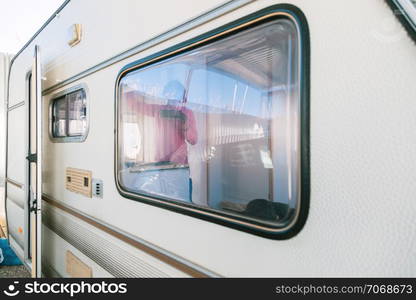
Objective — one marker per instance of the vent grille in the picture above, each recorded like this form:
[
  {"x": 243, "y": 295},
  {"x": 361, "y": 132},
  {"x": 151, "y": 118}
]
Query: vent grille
[{"x": 78, "y": 181}]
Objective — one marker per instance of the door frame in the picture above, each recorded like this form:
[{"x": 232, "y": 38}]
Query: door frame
[{"x": 33, "y": 213}]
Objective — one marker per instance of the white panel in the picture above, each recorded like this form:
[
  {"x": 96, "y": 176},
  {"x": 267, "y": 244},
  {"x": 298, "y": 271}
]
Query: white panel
[
  {"x": 17, "y": 151},
  {"x": 18, "y": 73},
  {"x": 15, "y": 194},
  {"x": 15, "y": 222}
]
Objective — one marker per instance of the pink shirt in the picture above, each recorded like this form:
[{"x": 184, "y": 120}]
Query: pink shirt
[{"x": 175, "y": 125}]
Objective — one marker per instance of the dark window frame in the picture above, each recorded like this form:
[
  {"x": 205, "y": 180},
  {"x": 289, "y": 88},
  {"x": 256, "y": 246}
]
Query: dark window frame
[
  {"x": 401, "y": 15},
  {"x": 68, "y": 138},
  {"x": 258, "y": 228}
]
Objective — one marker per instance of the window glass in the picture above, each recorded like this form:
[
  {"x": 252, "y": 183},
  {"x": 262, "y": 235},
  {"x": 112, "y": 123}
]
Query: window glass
[
  {"x": 217, "y": 127},
  {"x": 59, "y": 117},
  {"x": 77, "y": 113},
  {"x": 69, "y": 115}
]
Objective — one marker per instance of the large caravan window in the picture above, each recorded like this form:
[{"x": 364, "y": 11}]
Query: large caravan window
[
  {"x": 216, "y": 130},
  {"x": 69, "y": 116}
]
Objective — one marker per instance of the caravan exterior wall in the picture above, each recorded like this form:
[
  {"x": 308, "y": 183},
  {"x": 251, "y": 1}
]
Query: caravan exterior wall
[
  {"x": 4, "y": 71},
  {"x": 260, "y": 197}
]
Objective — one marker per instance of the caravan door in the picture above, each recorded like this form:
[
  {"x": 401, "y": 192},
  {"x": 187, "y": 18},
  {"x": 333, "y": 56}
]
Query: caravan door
[{"x": 24, "y": 168}]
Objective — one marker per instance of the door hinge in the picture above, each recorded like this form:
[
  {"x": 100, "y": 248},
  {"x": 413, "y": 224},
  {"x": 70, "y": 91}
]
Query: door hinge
[{"x": 32, "y": 158}]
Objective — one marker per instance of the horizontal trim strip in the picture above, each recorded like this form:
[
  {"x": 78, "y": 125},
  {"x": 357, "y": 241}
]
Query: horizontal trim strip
[
  {"x": 184, "y": 27},
  {"x": 17, "y": 105},
  {"x": 15, "y": 183},
  {"x": 168, "y": 258}
]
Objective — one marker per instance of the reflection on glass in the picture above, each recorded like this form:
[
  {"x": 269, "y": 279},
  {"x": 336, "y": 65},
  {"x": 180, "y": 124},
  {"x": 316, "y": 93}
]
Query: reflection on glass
[
  {"x": 77, "y": 113},
  {"x": 217, "y": 126},
  {"x": 59, "y": 114}
]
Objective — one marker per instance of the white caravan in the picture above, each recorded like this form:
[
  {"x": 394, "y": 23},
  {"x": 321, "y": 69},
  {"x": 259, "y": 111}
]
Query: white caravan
[{"x": 215, "y": 139}]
